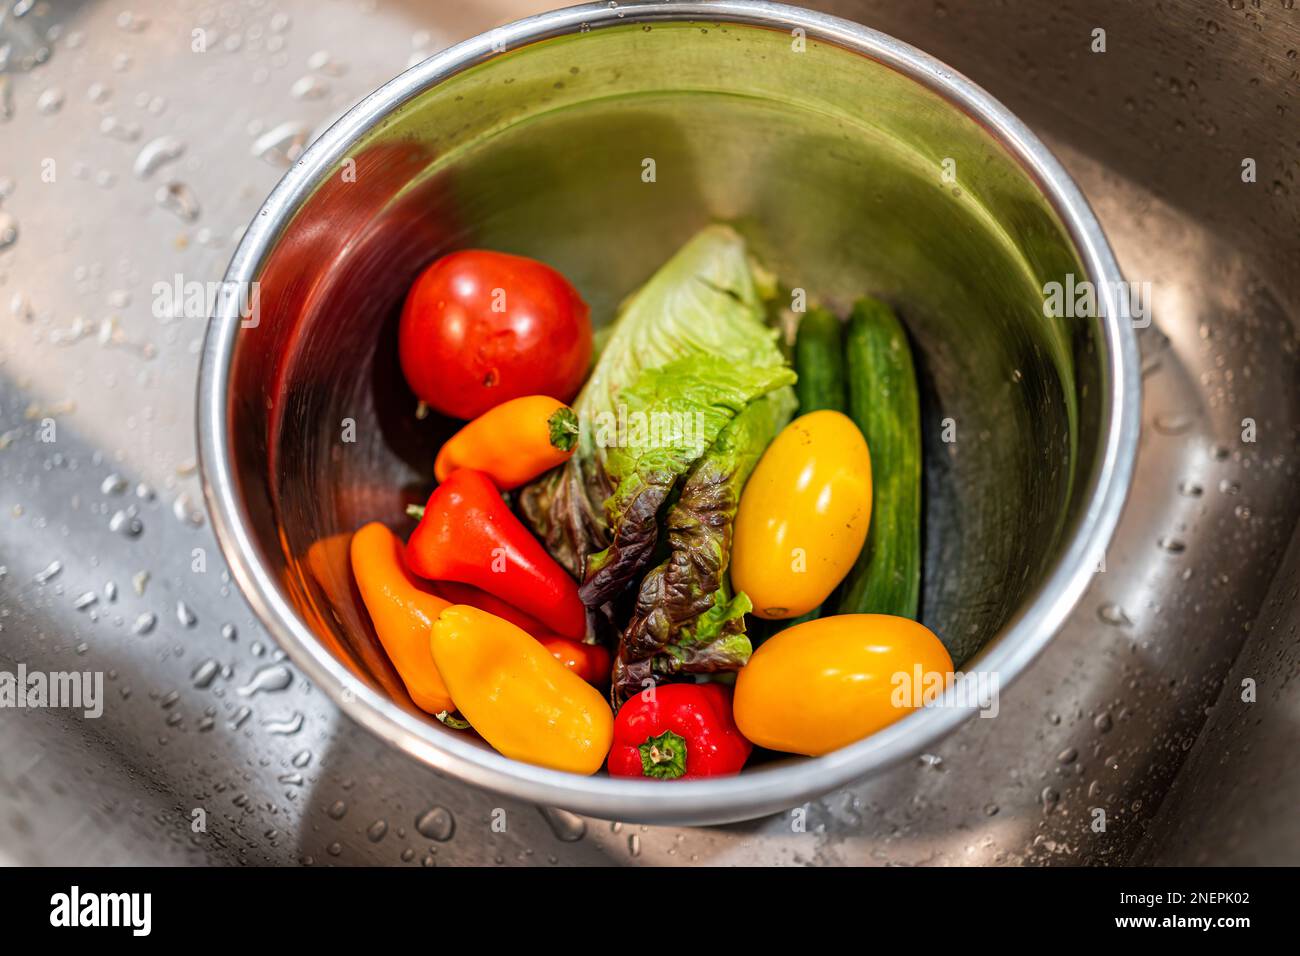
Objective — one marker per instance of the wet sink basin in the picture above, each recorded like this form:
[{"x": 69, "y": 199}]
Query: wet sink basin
[{"x": 1198, "y": 591}]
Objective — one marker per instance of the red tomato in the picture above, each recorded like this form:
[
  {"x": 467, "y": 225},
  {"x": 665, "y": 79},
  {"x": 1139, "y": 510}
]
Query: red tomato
[
  {"x": 480, "y": 328},
  {"x": 589, "y": 661}
]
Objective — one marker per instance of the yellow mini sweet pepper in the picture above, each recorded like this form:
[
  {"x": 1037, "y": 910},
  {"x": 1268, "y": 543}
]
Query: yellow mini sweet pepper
[{"x": 519, "y": 698}]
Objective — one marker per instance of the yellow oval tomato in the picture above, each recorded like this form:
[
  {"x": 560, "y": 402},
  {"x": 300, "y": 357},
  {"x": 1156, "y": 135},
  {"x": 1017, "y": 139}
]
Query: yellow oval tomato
[
  {"x": 803, "y": 515},
  {"x": 819, "y": 686}
]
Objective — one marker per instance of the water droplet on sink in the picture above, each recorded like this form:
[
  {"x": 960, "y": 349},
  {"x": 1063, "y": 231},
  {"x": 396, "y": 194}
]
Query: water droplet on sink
[
  {"x": 205, "y": 674},
  {"x": 283, "y": 144},
  {"x": 178, "y": 198},
  {"x": 1113, "y": 615},
  {"x": 50, "y": 101},
  {"x": 6, "y": 100},
  {"x": 8, "y": 230},
  {"x": 567, "y": 827},
  {"x": 436, "y": 824},
  {"x": 155, "y": 154},
  {"x": 376, "y": 831},
  {"x": 310, "y": 87},
  {"x": 1189, "y": 489},
  {"x": 186, "y": 511},
  {"x": 122, "y": 130},
  {"x": 1172, "y": 423},
  {"x": 129, "y": 22},
  {"x": 1172, "y": 545},
  {"x": 272, "y": 678},
  {"x": 126, "y": 522},
  {"x": 1050, "y": 799},
  {"x": 20, "y": 307},
  {"x": 323, "y": 62},
  {"x": 186, "y": 616},
  {"x": 284, "y": 726}
]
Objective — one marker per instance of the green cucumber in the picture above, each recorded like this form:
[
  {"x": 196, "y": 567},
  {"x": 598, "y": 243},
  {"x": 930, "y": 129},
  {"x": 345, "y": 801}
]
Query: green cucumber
[
  {"x": 884, "y": 402},
  {"x": 819, "y": 362}
]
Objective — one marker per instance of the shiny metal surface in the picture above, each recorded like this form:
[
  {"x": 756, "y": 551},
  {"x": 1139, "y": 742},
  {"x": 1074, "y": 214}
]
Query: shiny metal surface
[
  {"x": 1104, "y": 718},
  {"x": 530, "y": 139}
]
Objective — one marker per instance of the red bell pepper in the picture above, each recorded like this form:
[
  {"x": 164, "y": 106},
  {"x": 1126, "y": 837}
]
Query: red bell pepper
[
  {"x": 676, "y": 732},
  {"x": 467, "y": 533},
  {"x": 591, "y": 662}
]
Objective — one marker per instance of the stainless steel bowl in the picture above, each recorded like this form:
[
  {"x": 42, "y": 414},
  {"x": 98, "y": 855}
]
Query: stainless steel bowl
[{"x": 850, "y": 161}]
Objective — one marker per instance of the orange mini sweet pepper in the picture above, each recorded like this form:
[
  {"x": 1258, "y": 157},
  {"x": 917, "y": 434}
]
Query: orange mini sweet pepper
[
  {"x": 513, "y": 443},
  {"x": 403, "y": 611}
]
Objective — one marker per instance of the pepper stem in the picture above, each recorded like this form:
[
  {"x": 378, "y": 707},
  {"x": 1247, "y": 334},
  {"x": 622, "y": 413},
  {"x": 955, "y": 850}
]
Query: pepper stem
[
  {"x": 663, "y": 757},
  {"x": 415, "y": 511},
  {"x": 563, "y": 424}
]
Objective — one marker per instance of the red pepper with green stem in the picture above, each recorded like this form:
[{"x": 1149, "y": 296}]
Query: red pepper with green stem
[
  {"x": 467, "y": 533},
  {"x": 678, "y": 732}
]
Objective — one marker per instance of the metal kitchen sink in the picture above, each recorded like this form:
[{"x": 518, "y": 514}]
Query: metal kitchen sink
[{"x": 130, "y": 157}]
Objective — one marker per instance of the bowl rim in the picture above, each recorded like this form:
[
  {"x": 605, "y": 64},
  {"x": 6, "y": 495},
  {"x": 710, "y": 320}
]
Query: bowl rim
[{"x": 696, "y": 801}]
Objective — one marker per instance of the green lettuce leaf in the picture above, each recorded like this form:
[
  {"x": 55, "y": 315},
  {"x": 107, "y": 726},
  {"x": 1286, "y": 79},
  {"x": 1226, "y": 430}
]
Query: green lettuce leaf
[
  {"x": 667, "y": 420},
  {"x": 686, "y": 621},
  {"x": 703, "y": 301}
]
